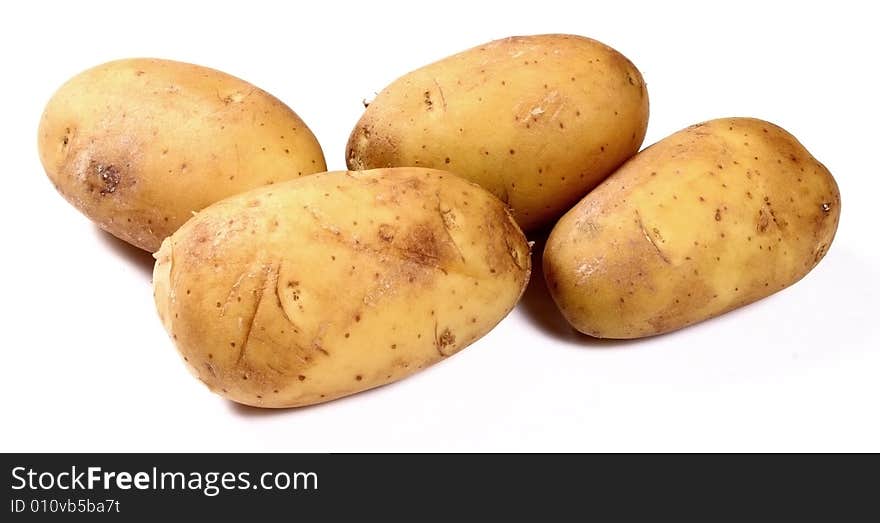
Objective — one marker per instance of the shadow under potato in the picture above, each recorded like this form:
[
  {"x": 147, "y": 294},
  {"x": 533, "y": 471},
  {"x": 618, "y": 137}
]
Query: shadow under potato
[
  {"x": 250, "y": 411},
  {"x": 140, "y": 259},
  {"x": 541, "y": 310}
]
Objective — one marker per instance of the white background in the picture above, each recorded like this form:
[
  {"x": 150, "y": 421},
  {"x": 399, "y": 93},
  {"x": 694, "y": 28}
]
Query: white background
[{"x": 86, "y": 365}]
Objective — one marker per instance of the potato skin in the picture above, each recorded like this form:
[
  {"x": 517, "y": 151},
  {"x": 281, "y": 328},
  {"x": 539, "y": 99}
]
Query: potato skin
[
  {"x": 711, "y": 218},
  {"x": 306, "y": 291},
  {"x": 137, "y": 145},
  {"x": 537, "y": 120}
]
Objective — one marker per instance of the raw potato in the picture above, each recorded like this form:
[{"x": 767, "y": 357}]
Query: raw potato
[
  {"x": 138, "y": 145},
  {"x": 536, "y": 120},
  {"x": 321, "y": 287},
  {"x": 716, "y": 216}
]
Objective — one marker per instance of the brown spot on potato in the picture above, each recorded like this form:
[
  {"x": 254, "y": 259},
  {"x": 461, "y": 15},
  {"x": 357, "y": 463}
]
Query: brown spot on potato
[
  {"x": 422, "y": 246},
  {"x": 386, "y": 232},
  {"x": 109, "y": 177},
  {"x": 446, "y": 338}
]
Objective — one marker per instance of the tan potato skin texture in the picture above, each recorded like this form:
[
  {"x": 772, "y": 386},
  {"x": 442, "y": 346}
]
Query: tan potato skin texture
[
  {"x": 537, "y": 120},
  {"x": 137, "y": 145},
  {"x": 317, "y": 288},
  {"x": 716, "y": 216}
]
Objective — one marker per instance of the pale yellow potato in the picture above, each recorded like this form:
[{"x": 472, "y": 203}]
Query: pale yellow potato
[
  {"x": 537, "y": 120},
  {"x": 321, "y": 287},
  {"x": 138, "y": 145},
  {"x": 716, "y": 216}
]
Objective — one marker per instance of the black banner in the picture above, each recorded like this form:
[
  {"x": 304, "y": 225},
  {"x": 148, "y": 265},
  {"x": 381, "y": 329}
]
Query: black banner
[{"x": 97, "y": 487}]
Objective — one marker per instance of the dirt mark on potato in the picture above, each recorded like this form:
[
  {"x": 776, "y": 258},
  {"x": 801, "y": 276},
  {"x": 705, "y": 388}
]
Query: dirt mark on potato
[{"x": 443, "y": 340}]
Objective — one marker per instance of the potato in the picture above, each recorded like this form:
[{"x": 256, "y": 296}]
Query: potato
[
  {"x": 321, "y": 287},
  {"x": 716, "y": 216},
  {"x": 138, "y": 145},
  {"x": 536, "y": 120}
]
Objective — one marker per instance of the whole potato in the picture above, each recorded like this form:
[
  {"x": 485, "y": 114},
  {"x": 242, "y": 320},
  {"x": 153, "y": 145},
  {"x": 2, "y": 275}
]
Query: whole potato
[
  {"x": 536, "y": 120},
  {"x": 716, "y": 216},
  {"x": 138, "y": 145},
  {"x": 321, "y": 287}
]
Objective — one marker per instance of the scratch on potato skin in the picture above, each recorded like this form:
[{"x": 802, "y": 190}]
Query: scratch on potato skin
[
  {"x": 445, "y": 217},
  {"x": 258, "y": 300},
  {"x": 440, "y": 90},
  {"x": 234, "y": 290},
  {"x": 276, "y": 280},
  {"x": 650, "y": 239}
]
